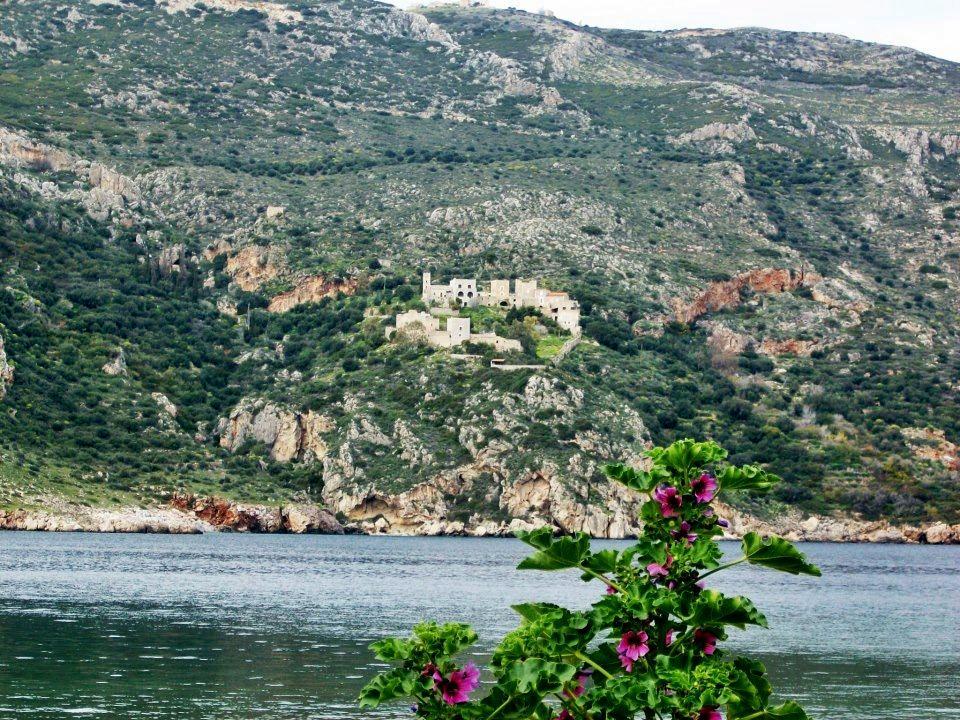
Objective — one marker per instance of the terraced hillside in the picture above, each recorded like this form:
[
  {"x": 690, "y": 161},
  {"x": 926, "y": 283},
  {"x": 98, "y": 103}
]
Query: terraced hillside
[{"x": 209, "y": 211}]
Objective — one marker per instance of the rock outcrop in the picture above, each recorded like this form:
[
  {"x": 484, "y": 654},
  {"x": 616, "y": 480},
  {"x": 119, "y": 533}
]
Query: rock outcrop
[
  {"x": 222, "y": 514},
  {"x": 82, "y": 519},
  {"x": 311, "y": 289},
  {"x": 252, "y": 266},
  {"x": 729, "y": 293},
  {"x": 290, "y": 435},
  {"x": 932, "y": 444},
  {"x": 116, "y": 366},
  {"x": 6, "y": 371},
  {"x": 799, "y": 348},
  {"x": 109, "y": 191},
  {"x": 186, "y": 514}
]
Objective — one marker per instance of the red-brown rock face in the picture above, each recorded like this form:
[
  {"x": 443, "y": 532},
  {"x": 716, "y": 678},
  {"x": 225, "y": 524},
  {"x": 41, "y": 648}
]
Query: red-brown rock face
[
  {"x": 311, "y": 289},
  {"x": 727, "y": 294}
]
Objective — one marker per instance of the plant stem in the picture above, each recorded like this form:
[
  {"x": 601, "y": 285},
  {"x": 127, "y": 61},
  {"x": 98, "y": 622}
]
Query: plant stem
[
  {"x": 723, "y": 567},
  {"x": 603, "y": 578},
  {"x": 759, "y": 713},
  {"x": 497, "y": 711},
  {"x": 587, "y": 659}
]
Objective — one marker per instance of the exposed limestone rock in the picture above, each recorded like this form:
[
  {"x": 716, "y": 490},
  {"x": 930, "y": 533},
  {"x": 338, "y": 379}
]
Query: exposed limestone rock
[
  {"x": 940, "y": 534},
  {"x": 6, "y": 371},
  {"x": 724, "y": 341},
  {"x": 252, "y": 266},
  {"x": 276, "y": 12},
  {"x": 836, "y": 294},
  {"x": 83, "y": 519},
  {"x": 109, "y": 190},
  {"x": 117, "y": 366},
  {"x": 172, "y": 259},
  {"x": 727, "y": 294},
  {"x": 411, "y": 448},
  {"x": 718, "y": 137},
  {"x": 311, "y": 289},
  {"x": 919, "y": 145},
  {"x": 310, "y": 519},
  {"x": 219, "y": 247},
  {"x": 289, "y": 435},
  {"x": 800, "y": 348},
  {"x": 222, "y": 514},
  {"x": 166, "y": 407},
  {"x": 932, "y": 444}
]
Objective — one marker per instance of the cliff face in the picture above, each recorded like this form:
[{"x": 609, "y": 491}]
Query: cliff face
[
  {"x": 311, "y": 289},
  {"x": 288, "y": 435}
]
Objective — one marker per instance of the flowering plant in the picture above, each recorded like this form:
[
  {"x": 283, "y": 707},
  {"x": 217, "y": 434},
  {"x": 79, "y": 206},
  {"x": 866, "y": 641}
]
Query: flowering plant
[{"x": 648, "y": 648}]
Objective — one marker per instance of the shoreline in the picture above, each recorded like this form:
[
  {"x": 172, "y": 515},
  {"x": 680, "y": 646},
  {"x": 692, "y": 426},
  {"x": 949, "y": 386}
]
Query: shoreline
[{"x": 190, "y": 515}]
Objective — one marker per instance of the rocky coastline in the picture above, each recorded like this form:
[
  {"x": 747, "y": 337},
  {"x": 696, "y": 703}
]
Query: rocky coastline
[{"x": 188, "y": 514}]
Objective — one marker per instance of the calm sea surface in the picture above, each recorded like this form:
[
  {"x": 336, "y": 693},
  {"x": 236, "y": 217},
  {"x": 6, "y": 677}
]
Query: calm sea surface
[{"x": 245, "y": 626}]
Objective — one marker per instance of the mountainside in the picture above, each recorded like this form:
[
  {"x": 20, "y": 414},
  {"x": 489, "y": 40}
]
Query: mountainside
[{"x": 210, "y": 211}]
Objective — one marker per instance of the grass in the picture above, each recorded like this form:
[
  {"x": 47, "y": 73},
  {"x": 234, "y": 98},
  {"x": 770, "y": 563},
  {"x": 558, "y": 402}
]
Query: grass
[{"x": 549, "y": 346}]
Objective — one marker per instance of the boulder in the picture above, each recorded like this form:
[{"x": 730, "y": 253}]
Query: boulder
[{"x": 302, "y": 519}]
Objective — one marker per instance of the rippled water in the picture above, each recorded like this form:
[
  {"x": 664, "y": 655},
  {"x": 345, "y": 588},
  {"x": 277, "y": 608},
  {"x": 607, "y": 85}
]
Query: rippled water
[{"x": 244, "y": 626}]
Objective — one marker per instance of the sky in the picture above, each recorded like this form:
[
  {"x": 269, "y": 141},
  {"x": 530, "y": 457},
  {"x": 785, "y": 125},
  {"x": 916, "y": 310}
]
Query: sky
[{"x": 931, "y": 26}]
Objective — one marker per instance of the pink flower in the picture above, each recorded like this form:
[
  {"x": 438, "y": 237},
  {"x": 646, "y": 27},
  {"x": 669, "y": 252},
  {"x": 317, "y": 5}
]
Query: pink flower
[
  {"x": 709, "y": 713},
  {"x": 704, "y": 487},
  {"x": 611, "y": 590},
  {"x": 669, "y": 499},
  {"x": 658, "y": 571},
  {"x": 684, "y": 533},
  {"x": 706, "y": 641},
  {"x": 668, "y": 638},
  {"x": 457, "y": 688},
  {"x": 581, "y": 683},
  {"x": 632, "y": 647}
]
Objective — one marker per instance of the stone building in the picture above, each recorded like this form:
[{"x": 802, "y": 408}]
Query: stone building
[
  {"x": 420, "y": 324},
  {"x": 462, "y": 291}
]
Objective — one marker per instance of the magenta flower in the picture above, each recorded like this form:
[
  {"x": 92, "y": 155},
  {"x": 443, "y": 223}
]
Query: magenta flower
[
  {"x": 669, "y": 499},
  {"x": 668, "y": 639},
  {"x": 684, "y": 533},
  {"x": 706, "y": 641},
  {"x": 709, "y": 713},
  {"x": 704, "y": 487},
  {"x": 581, "y": 683},
  {"x": 632, "y": 647},
  {"x": 658, "y": 571},
  {"x": 457, "y": 688},
  {"x": 611, "y": 590}
]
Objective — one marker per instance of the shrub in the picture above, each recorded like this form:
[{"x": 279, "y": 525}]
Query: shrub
[{"x": 649, "y": 647}]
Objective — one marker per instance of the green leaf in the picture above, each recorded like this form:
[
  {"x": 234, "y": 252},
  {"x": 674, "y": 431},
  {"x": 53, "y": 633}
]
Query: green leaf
[
  {"x": 778, "y": 554},
  {"x": 747, "y": 477},
  {"x": 604, "y": 561},
  {"x": 685, "y": 455},
  {"x": 388, "y": 686},
  {"x": 532, "y": 611},
  {"x": 392, "y": 649},
  {"x": 715, "y": 608},
  {"x": 542, "y": 677},
  {"x": 554, "y": 553},
  {"x": 751, "y": 687},
  {"x": 639, "y": 480}
]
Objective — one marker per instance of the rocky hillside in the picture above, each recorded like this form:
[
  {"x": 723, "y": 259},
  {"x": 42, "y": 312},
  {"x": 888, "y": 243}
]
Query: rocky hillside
[{"x": 209, "y": 211}]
